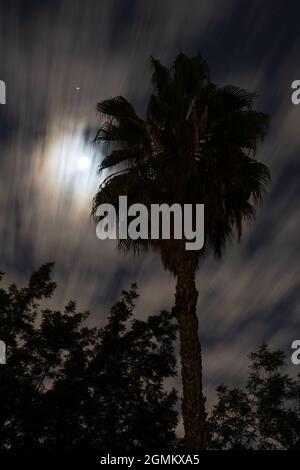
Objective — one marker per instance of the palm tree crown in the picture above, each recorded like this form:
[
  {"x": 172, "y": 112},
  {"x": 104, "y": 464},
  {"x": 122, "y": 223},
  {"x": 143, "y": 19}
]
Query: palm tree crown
[{"x": 196, "y": 145}]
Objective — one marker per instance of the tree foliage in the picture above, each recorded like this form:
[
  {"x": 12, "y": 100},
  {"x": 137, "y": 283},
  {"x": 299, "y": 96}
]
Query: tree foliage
[
  {"x": 71, "y": 386},
  {"x": 266, "y": 415}
]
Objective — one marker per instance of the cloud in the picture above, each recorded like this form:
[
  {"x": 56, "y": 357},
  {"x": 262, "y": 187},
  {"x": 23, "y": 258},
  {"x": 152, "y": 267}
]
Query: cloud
[{"x": 49, "y": 49}]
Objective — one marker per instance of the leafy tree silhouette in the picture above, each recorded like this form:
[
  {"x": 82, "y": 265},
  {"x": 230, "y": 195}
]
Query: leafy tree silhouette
[
  {"x": 266, "y": 415},
  {"x": 197, "y": 144},
  {"x": 67, "y": 385}
]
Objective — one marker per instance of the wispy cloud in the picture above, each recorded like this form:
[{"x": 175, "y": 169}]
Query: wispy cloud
[{"x": 48, "y": 50}]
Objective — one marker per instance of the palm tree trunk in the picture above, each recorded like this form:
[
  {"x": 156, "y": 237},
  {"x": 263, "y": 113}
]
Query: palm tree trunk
[{"x": 193, "y": 403}]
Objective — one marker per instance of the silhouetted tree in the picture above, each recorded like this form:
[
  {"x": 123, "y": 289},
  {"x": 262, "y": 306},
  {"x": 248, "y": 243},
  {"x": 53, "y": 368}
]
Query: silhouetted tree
[
  {"x": 197, "y": 144},
  {"x": 266, "y": 415},
  {"x": 67, "y": 385}
]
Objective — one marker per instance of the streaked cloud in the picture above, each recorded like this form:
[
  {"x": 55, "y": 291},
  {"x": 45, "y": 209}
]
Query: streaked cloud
[{"x": 48, "y": 50}]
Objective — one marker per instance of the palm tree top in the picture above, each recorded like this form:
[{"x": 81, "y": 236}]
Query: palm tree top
[{"x": 196, "y": 143}]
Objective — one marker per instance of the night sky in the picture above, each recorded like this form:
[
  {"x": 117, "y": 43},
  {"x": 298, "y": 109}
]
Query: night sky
[{"x": 58, "y": 59}]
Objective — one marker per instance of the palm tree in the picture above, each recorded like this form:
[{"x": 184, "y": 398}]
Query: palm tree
[{"x": 196, "y": 144}]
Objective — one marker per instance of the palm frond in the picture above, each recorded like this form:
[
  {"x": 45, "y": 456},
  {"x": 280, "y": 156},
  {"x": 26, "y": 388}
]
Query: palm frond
[
  {"x": 189, "y": 74},
  {"x": 236, "y": 98},
  {"x": 258, "y": 177},
  {"x": 161, "y": 78},
  {"x": 242, "y": 129},
  {"x": 126, "y": 133},
  {"x": 117, "y": 107},
  {"x": 130, "y": 154}
]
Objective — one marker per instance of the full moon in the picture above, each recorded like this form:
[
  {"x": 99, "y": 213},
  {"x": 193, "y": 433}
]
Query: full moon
[{"x": 83, "y": 163}]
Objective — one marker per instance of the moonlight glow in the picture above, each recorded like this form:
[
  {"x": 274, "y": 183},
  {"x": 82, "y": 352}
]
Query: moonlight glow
[
  {"x": 83, "y": 163},
  {"x": 72, "y": 167}
]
